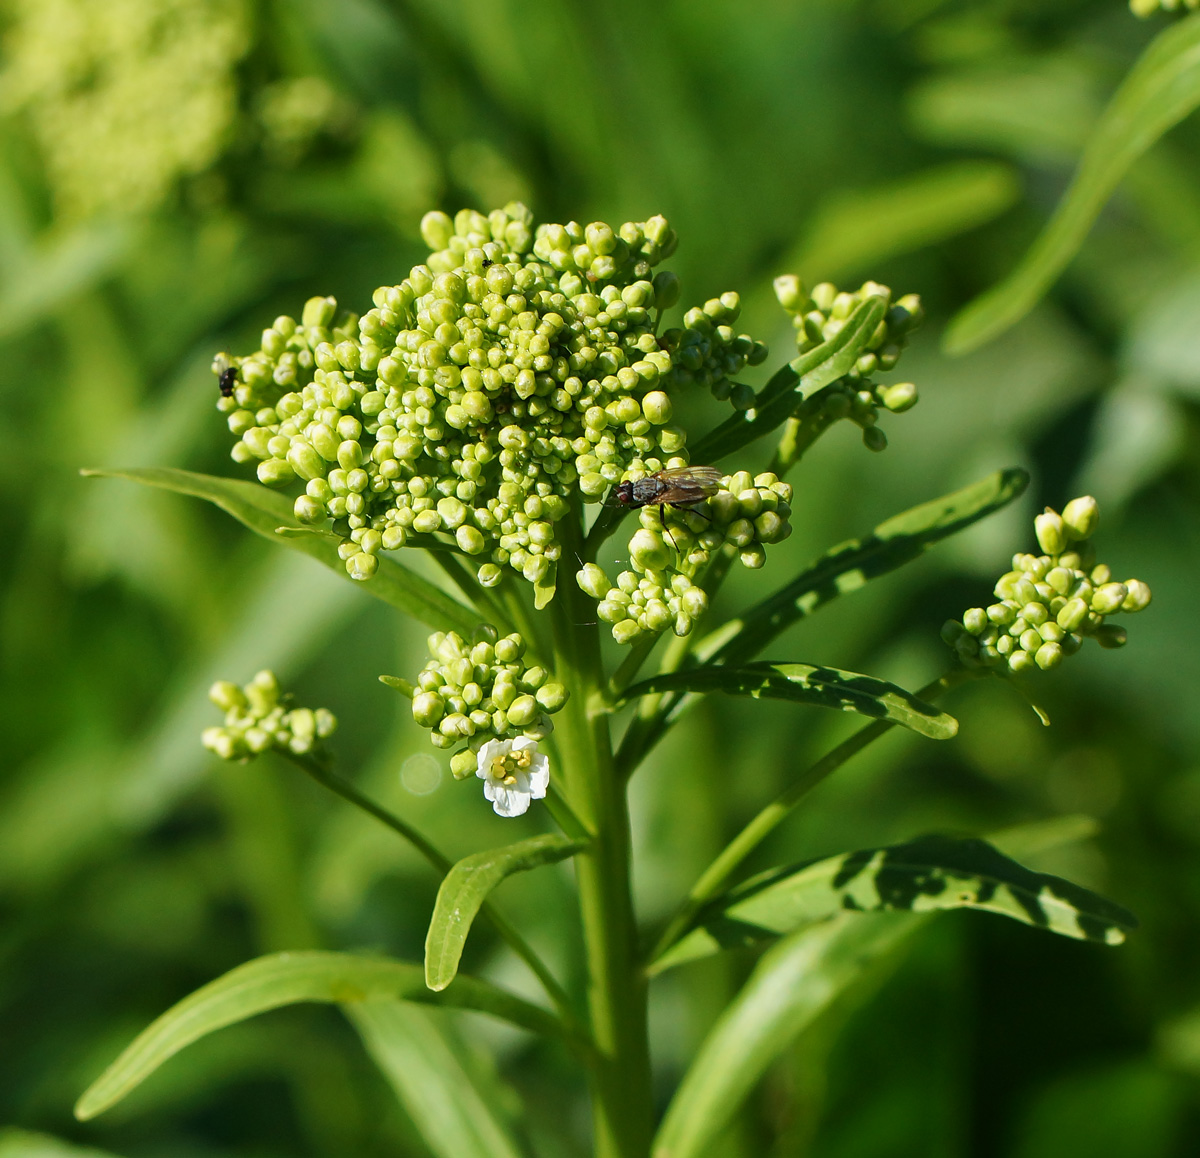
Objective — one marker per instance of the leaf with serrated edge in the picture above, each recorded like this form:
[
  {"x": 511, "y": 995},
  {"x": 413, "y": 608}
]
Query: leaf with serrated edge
[
  {"x": 268, "y": 513},
  {"x": 796, "y": 981},
  {"x": 1160, "y": 90},
  {"x": 929, "y": 873},
  {"x": 792, "y": 384},
  {"x": 826, "y": 687},
  {"x": 444, "y": 1103},
  {"x": 285, "y": 979},
  {"x": 466, "y": 887}
]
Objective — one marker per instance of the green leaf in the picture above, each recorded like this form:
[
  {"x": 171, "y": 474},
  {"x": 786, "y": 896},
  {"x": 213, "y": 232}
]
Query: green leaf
[
  {"x": 466, "y": 887},
  {"x": 855, "y": 229},
  {"x": 804, "y": 683},
  {"x": 285, "y": 979},
  {"x": 26, "y": 1144},
  {"x": 793, "y": 383},
  {"x": 430, "y": 1081},
  {"x": 269, "y": 513},
  {"x": 929, "y": 873},
  {"x": 1161, "y": 89},
  {"x": 851, "y": 565},
  {"x": 796, "y": 981}
]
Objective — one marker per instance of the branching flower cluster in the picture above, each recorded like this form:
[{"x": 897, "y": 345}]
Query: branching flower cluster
[
  {"x": 1047, "y": 604},
  {"x": 479, "y": 690},
  {"x": 819, "y": 316},
  {"x": 513, "y": 369},
  {"x": 258, "y": 719},
  {"x": 672, "y": 546}
]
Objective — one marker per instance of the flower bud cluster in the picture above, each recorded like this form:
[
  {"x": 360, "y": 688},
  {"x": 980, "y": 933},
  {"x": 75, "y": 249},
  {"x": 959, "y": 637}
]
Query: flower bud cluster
[
  {"x": 674, "y": 543},
  {"x": 1149, "y": 7},
  {"x": 257, "y": 719},
  {"x": 514, "y": 368},
  {"x": 478, "y": 690},
  {"x": 1048, "y": 603},
  {"x": 818, "y": 316}
]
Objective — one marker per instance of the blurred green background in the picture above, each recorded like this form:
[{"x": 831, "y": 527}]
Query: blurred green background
[{"x": 175, "y": 173}]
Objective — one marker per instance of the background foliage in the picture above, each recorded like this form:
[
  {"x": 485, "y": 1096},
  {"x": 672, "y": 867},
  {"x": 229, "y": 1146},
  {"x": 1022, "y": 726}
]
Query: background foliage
[{"x": 175, "y": 174}]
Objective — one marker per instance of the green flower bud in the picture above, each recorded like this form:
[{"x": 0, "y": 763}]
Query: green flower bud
[
  {"x": 393, "y": 538},
  {"x": 1048, "y": 656},
  {"x": 1138, "y": 597},
  {"x": 789, "y": 289},
  {"x": 308, "y": 510},
  {"x": 1111, "y": 636},
  {"x": 1081, "y": 517},
  {"x": 552, "y": 696},
  {"x": 626, "y": 631},
  {"x": 1051, "y": 532},
  {"x": 318, "y": 313},
  {"x": 362, "y": 566},
  {"x": 899, "y": 397},
  {"x": 463, "y": 764},
  {"x": 304, "y": 459},
  {"x": 874, "y": 439},
  {"x": 1021, "y": 661},
  {"x": 648, "y": 552},
  {"x": 694, "y": 602},
  {"x": 274, "y": 472},
  {"x": 593, "y": 581},
  {"x": 1109, "y": 598},
  {"x": 470, "y": 540},
  {"x": 510, "y": 648},
  {"x": 489, "y": 575},
  {"x": 657, "y": 408},
  {"x": 666, "y": 290},
  {"x": 227, "y": 696},
  {"x": 524, "y": 710},
  {"x": 975, "y": 619},
  {"x": 427, "y": 709},
  {"x": 752, "y": 557}
]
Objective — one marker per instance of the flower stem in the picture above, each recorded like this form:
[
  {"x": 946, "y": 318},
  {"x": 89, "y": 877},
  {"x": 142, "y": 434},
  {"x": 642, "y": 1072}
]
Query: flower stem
[
  {"x": 621, "y": 1086},
  {"x": 326, "y": 777},
  {"x": 714, "y": 878}
]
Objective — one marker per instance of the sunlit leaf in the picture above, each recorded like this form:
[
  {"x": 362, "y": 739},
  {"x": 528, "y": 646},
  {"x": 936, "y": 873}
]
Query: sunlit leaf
[
  {"x": 799, "y": 379},
  {"x": 854, "y": 228},
  {"x": 452, "y": 1115},
  {"x": 26, "y": 1144},
  {"x": 929, "y": 873},
  {"x": 285, "y": 979},
  {"x": 1160, "y": 90},
  {"x": 803, "y": 683},
  {"x": 850, "y": 565},
  {"x": 266, "y": 511},
  {"x": 466, "y": 887},
  {"x": 794, "y": 983}
]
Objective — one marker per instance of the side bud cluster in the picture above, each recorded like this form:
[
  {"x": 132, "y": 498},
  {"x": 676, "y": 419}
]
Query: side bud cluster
[
  {"x": 258, "y": 719},
  {"x": 819, "y": 316},
  {"x": 480, "y": 690},
  {"x": 671, "y": 547},
  {"x": 1049, "y": 603},
  {"x": 518, "y": 366}
]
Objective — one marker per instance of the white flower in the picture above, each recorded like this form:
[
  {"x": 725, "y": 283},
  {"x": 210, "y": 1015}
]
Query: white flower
[{"x": 513, "y": 772}]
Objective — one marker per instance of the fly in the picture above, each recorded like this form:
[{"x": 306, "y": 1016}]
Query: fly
[
  {"x": 678, "y": 486},
  {"x": 227, "y": 378}
]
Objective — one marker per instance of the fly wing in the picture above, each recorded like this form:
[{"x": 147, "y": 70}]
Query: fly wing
[{"x": 689, "y": 484}]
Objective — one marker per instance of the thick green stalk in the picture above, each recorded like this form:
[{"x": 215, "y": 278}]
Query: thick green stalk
[
  {"x": 621, "y": 1089},
  {"x": 718, "y": 874}
]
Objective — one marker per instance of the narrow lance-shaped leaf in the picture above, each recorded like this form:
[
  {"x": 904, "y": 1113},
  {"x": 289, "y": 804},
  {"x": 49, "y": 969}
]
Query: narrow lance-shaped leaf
[
  {"x": 930, "y": 873},
  {"x": 795, "y": 982},
  {"x": 853, "y": 564},
  {"x": 270, "y": 514},
  {"x": 466, "y": 887},
  {"x": 446, "y": 1106},
  {"x": 826, "y": 687},
  {"x": 792, "y": 384},
  {"x": 285, "y": 979},
  {"x": 1161, "y": 89},
  {"x": 26, "y": 1144}
]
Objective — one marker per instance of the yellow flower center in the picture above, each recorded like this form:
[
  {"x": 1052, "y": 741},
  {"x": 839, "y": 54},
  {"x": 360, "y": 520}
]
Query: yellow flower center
[{"x": 504, "y": 768}]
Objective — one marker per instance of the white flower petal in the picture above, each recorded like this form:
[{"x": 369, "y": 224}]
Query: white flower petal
[{"x": 509, "y": 801}]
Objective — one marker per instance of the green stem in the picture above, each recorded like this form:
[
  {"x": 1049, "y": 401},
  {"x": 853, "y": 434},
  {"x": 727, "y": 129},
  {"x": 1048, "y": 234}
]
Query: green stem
[
  {"x": 481, "y": 599},
  {"x": 647, "y": 725},
  {"x": 717, "y": 875},
  {"x": 621, "y": 1085},
  {"x": 325, "y": 776}
]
